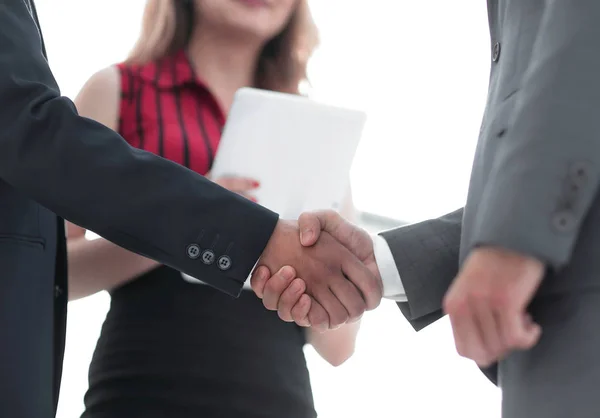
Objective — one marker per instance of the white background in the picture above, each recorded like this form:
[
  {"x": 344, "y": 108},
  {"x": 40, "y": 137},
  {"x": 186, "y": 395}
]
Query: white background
[{"x": 420, "y": 70}]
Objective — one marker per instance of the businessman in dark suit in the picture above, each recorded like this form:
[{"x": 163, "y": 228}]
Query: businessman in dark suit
[
  {"x": 517, "y": 269},
  {"x": 50, "y": 158}
]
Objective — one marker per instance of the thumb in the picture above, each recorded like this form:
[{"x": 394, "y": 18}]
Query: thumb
[
  {"x": 532, "y": 332},
  {"x": 312, "y": 223},
  {"x": 349, "y": 235},
  {"x": 310, "y": 227}
]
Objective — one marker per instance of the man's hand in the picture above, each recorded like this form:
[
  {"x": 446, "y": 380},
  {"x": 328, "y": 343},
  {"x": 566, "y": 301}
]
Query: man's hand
[
  {"x": 334, "y": 277},
  {"x": 354, "y": 238},
  {"x": 284, "y": 293},
  {"x": 487, "y": 304},
  {"x": 314, "y": 227}
]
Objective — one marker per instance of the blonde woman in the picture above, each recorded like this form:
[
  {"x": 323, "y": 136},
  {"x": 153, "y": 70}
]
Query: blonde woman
[{"x": 171, "y": 348}]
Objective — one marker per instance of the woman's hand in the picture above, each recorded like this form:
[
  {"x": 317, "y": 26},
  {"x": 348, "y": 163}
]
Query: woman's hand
[{"x": 239, "y": 185}]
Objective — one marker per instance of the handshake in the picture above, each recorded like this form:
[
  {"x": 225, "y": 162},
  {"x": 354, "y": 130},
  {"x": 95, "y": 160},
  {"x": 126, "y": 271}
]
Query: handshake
[{"x": 319, "y": 271}]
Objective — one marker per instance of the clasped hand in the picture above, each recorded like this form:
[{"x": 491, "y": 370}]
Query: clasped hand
[{"x": 334, "y": 278}]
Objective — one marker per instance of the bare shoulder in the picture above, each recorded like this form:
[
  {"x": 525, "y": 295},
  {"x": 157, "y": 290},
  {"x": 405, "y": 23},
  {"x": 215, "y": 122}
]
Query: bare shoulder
[{"x": 100, "y": 97}]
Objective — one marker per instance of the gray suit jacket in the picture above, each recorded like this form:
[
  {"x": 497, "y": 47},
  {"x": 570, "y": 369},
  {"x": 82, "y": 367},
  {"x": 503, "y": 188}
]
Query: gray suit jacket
[{"x": 536, "y": 167}]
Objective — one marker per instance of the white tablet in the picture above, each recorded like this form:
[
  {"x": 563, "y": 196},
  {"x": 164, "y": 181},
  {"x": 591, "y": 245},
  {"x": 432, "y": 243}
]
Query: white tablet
[{"x": 299, "y": 150}]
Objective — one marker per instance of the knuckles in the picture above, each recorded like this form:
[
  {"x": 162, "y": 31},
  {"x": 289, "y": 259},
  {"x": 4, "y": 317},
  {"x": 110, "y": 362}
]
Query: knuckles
[
  {"x": 458, "y": 302},
  {"x": 338, "y": 319},
  {"x": 356, "y": 309},
  {"x": 318, "y": 318},
  {"x": 374, "y": 294}
]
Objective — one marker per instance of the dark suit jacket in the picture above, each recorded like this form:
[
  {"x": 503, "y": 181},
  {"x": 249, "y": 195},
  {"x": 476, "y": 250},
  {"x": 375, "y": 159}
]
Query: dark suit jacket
[
  {"x": 536, "y": 169},
  {"x": 54, "y": 162}
]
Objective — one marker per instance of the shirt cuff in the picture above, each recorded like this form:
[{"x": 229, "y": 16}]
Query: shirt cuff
[{"x": 392, "y": 284}]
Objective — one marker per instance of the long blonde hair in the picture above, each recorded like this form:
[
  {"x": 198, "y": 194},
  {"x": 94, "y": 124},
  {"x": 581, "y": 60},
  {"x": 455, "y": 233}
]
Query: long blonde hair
[{"x": 167, "y": 26}]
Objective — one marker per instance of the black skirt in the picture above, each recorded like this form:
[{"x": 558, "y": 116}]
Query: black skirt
[{"x": 173, "y": 349}]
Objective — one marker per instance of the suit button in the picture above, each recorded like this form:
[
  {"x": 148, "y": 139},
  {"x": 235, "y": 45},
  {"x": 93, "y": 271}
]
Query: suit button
[
  {"x": 496, "y": 52},
  {"x": 224, "y": 262},
  {"x": 193, "y": 251},
  {"x": 580, "y": 173},
  {"x": 57, "y": 291},
  {"x": 563, "y": 221},
  {"x": 208, "y": 257}
]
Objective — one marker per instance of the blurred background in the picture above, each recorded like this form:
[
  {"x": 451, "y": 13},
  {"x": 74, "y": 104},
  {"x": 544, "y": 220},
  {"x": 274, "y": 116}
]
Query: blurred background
[{"x": 420, "y": 70}]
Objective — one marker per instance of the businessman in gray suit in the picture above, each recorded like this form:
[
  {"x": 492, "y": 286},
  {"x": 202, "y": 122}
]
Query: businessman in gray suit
[{"x": 517, "y": 269}]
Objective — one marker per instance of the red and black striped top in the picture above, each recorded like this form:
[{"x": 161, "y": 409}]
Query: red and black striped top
[{"x": 167, "y": 110}]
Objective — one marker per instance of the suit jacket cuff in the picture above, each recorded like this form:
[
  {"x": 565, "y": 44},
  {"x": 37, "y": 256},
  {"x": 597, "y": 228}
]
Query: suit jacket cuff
[
  {"x": 242, "y": 242},
  {"x": 526, "y": 210}
]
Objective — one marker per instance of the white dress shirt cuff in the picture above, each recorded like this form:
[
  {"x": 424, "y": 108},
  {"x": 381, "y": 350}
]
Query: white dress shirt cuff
[{"x": 392, "y": 284}]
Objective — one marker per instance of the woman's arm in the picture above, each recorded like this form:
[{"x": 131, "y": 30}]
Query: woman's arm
[
  {"x": 99, "y": 264},
  {"x": 335, "y": 346},
  {"x": 338, "y": 345}
]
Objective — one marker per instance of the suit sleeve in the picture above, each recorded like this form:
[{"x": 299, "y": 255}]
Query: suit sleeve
[
  {"x": 546, "y": 172},
  {"x": 88, "y": 174},
  {"x": 427, "y": 258}
]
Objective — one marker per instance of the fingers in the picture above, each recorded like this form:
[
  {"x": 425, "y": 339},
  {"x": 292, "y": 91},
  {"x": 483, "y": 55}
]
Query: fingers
[
  {"x": 533, "y": 330},
  {"x": 487, "y": 304},
  {"x": 248, "y": 196},
  {"x": 311, "y": 224},
  {"x": 289, "y": 298},
  {"x": 317, "y": 316},
  {"x": 237, "y": 184},
  {"x": 487, "y": 326},
  {"x": 354, "y": 306},
  {"x": 276, "y": 285},
  {"x": 519, "y": 331},
  {"x": 301, "y": 310},
  {"x": 285, "y": 294},
  {"x": 365, "y": 281},
  {"x": 293, "y": 305},
  {"x": 341, "y": 299},
  {"x": 334, "y": 307},
  {"x": 487, "y": 329},
  {"x": 467, "y": 338},
  {"x": 258, "y": 280}
]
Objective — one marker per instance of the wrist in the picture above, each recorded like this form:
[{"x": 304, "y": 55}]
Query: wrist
[
  {"x": 281, "y": 233},
  {"x": 521, "y": 265},
  {"x": 506, "y": 254}
]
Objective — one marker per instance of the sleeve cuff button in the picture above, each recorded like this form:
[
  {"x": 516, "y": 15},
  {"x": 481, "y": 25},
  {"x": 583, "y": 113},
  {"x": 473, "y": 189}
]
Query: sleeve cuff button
[
  {"x": 193, "y": 251},
  {"x": 563, "y": 221},
  {"x": 224, "y": 263}
]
